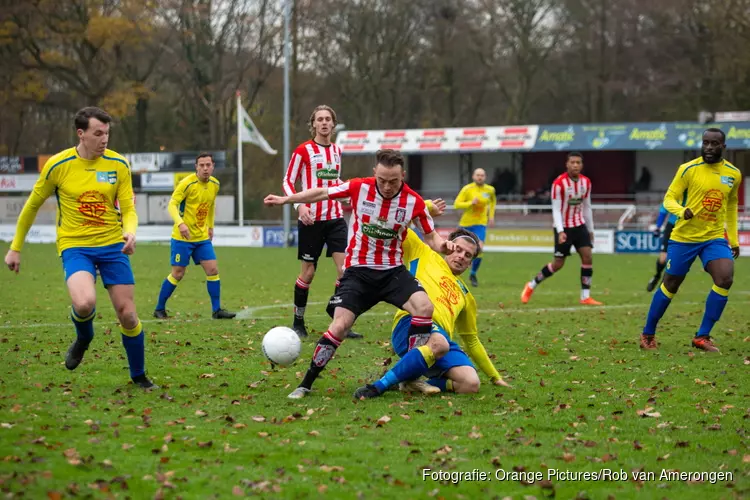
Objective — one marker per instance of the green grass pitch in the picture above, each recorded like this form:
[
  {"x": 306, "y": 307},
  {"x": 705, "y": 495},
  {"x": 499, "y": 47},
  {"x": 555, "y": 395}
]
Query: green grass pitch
[{"x": 585, "y": 398}]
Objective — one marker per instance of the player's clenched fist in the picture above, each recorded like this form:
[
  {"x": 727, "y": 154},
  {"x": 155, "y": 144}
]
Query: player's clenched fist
[{"x": 13, "y": 260}]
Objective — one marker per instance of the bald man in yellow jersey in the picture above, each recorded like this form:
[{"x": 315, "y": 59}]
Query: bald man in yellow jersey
[
  {"x": 704, "y": 196},
  {"x": 455, "y": 313},
  {"x": 478, "y": 201},
  {"x": 89, "y": 181}
]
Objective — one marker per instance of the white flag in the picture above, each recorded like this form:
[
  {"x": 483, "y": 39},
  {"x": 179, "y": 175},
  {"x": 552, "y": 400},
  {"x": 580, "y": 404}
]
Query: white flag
[{"x": 248, "y": 132}]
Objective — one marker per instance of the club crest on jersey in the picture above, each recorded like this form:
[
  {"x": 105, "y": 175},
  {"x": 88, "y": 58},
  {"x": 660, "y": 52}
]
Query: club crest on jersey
[
  {"x": 728, "y": 180},
  {"x": 109, "y": 177},
  {"x": 400, "y": 215},
  {"x": 328, "y": 173},
  {"x": 336, "y": 158}
]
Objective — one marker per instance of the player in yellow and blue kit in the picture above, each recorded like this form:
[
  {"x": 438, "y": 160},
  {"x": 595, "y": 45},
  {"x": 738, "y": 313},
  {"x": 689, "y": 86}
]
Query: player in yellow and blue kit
[
  {"x": 703, "y": 195},
  {"x": 89, "y": 181},
  {"x": 478, "y": 202},
  {"x": 455, "y": 313},
  {"x": 192, "y": 207}
]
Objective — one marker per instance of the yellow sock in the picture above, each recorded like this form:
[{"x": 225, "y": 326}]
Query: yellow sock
[
  {"x": 132, "y": 332},
  {"x": 427, "y": 354}
]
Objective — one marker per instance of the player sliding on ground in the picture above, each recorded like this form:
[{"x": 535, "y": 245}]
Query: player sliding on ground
[
  {"x": 192, "y": 207},
  {"x": 440, "y": 359},
  {"x": 574, "y": 227},
  {"x": 703, "y": 194},
  {"x": 92, "y": 235},
  {"x": 382, "y": 207}
]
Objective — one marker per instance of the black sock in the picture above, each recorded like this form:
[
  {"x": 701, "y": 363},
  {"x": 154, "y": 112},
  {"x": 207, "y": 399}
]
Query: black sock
[
  {"x": 543, "y": 274},
  {"x": 323, "y": 353},
  {"x": 586, "y": 274},
  {"x": 659, "y": 268},
  {"x": 301, "y": 292}
]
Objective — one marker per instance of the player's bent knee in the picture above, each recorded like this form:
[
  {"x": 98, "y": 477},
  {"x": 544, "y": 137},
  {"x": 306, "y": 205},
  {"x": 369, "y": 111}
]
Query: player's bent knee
[
  {"x": 84, "y": 305},
  {"x": 724, "y": 282},
  {"x": 128, "y": 319},
  {"x": 178, "y": 273},
  {"x": 467, "y": 385},
  {"x": 438, "y": 344}
]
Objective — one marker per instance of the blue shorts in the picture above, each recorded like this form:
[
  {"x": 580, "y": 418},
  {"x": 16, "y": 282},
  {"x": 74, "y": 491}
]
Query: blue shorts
[
  {"x": 112, "y": 264},
  {"x": 454, "y": 357},
  {"x": 480, "y": 231},
  {"x": 198, "y": 250},
  {"x": 680, "y": 256}
]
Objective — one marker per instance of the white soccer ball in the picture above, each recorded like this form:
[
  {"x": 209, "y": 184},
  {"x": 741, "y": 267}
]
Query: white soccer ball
[{"x": 281, "y": 345}]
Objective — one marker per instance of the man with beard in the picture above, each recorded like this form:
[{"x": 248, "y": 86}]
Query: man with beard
[{"x": 703, "y": 195}]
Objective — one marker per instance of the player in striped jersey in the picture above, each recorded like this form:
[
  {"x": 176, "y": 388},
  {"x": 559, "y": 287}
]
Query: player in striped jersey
[
  {"x": 382, "y": 208},
  {"x": 574, "y": 226},
  {"x": 316, "y": 164},
  {"x": 93, "y": 235}
]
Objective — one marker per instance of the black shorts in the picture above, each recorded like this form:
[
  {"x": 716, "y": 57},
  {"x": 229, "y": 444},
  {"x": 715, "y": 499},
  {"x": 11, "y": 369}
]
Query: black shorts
[
  {"x": 362, "y": 288},
  {"x": 331, "y": 233},
  {"x": 665, "y": 237},
  {"x": 578, "y": 237}
]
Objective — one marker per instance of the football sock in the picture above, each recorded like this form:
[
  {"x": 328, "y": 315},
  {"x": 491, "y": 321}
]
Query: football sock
[
  {"x": 420, "y": 328},
  {"x": 475, "y": 265},
  {"x": 545, "y": 273},
  {"x": 660, "y": 268},
  {"x": 301, "y": 292},
  {"x": 444, "y": 384},
  {"x": 715, "y": 302},
  {"x": 84, "y": 325},
  {"x": 134, "y": 342},
  {"x": 213, "y": 285},
  {"x": 168, "y": 286},
  {"x": 413, "y": 365},
  {"x": 586, "y": 273},
  {"x": 323, "y": 353},
  {"x": 659, "y": 303}
]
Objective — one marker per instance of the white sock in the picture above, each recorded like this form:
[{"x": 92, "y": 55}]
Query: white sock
[
  {"x": 585, "y": 293},
  {"x": 533, "y": 284}
]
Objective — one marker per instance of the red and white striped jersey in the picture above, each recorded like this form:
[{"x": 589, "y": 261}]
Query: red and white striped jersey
[
  {"x": 318, "y": 167},
  {"x": 568, "y": 198},
  {"x": 377, "y": 227}
]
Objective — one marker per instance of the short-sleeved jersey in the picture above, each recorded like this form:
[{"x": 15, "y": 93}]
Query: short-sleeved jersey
[
  {"x": 87, "y": 192},
  {"x": 455, "y": 306},
  {"x": 378, "y": 225},
  {"x": 480, "y": 213},
  {"x": 710, "y": 191},
  {"x": 316, "y": 166},
  {"x": 193, "y": 203},
  {"x": 571, "y": 194}
]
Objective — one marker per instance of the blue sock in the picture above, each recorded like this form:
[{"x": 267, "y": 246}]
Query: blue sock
[
  {"x": 214, "y": 291},
  {"x": 439, "y": 382},
  {"x": 133, "y": 341},
  {"x": 167, "y": 287},
  {"x": 413, "y": 365},
  {"x": 475, "y": 265},
  {"x": 715, "y": 303},
  {"x": 84, "y": 325},
  {"x": 660, "y": 302}
]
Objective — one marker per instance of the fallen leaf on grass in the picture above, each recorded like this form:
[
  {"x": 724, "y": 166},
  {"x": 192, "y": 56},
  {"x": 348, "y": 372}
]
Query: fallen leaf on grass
[
  {"x": 313, "y": 433},
  {"x": 475, "y": 435},
  {"x": 238, "y": 492},
  {"x": 207, "y": 375},
  {"x": 259, "y": 418},
  {"x": 568, "y": 457},
  {"x": 746, "y": 459},
  {"x": 127, "y": 446},
  {"x": 405, "y": 416},
  {"x": 659, "y": 459},
  {"x": 637, "y": 445},
  {"x": 206, "y": 444},
  {"x": 714, "y": 427},
  {"x": 647, "y": 412},
  {"x": 444, "y": 450},
  {"x": 682, "y": 444},
  {"x": 383, "y": 420},
  {"x": 200, "y": 413},
  {"x": 331, "y": 468}
]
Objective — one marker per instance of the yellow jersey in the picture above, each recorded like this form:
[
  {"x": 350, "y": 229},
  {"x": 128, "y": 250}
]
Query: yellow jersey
[
  {"x": 88, "y": 195},
  {"x": 709, "y": 190},
  {"x": 484, "y": 210},
  {"x": 193, "y": 203},
  {"x": 455, "y": 309}
]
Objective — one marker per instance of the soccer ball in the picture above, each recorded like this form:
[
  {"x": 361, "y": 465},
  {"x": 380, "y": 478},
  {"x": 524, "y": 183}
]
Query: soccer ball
[{"x": 281, "y": 345}]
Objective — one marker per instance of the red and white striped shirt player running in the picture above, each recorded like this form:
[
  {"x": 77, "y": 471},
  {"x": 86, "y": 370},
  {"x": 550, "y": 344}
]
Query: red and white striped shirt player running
[
  {"x": 573, "y": 221},
  {"x": 382, "y": 208},
  {"x": 316, "y": 164}
]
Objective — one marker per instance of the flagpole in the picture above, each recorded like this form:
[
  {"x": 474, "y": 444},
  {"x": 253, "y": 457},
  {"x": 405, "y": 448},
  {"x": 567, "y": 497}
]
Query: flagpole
[
  {"x": 240, "y": 199},
  {"x": 287, "y": 55}
]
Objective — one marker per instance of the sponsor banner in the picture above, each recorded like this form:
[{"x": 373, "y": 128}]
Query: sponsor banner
[
  {"x": 636, "y": 136},
  {"x": 274, "y": 236},
  {"x": 11, "y": 164},
  {"x": 43, "y": 233},
  {"x": 149, "y": 162},
  {"x": 178, "y": 176},
  {"x": 161, "y": 181},
  {"x": 535, "y": 240},
  {"x": 17, "y": 183},
  {"x": 475, "y": 139},
  {"x": 637, "y": 242}
]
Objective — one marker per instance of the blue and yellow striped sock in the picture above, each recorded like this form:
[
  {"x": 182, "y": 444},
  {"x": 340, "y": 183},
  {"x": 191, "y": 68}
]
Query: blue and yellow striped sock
[
  {"x": 412, "y": 366},
  {"x": 134, "y": 342},
  {"x": 444, "y": 384},
  {"x": 214, "y": 291},
  {"x": 167, "y": 287},
  {"x": 84, "y": 325},
  {"x": 659, "y": 303},
  {"x": 715, "y": 302}
]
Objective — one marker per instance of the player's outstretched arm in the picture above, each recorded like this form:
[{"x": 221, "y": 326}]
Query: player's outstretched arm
[
  {"x": 463, "y": 200},
  {"x": 675, "y": 193},
  {"x": 307, "y": 196},
  {"x": 479, "y": 356},
  {"x": 438, "y": 243}
]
